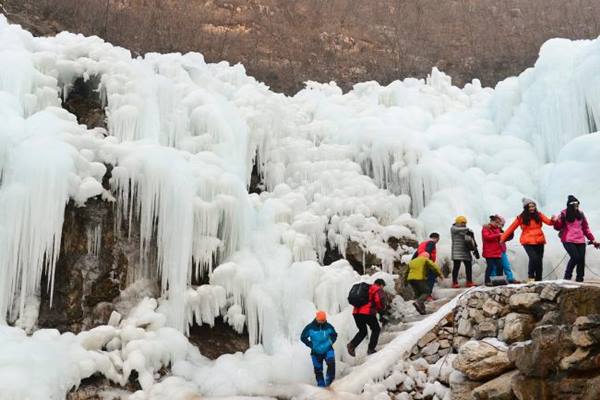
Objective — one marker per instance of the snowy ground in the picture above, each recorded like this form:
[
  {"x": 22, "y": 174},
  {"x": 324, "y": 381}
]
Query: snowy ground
[{"x": 183, "y": 135}]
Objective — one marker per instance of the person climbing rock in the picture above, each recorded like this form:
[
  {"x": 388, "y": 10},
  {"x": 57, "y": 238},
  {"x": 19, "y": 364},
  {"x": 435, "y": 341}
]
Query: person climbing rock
[
  {"x": 320, "y": 336},
  {"x": 506, "y": 267},
  {"x": 366, "y": 316},
  {"x": 463, "y": 243},
  {"x": 492, "y": 249},
  {"x": 429, "y": 246},
  {"x": 573, "y": 230},
  {"x": 532, "y": 237},
  {"x": 418, "y": 270}
]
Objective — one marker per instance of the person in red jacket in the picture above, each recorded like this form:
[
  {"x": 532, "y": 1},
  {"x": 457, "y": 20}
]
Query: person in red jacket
[
  {"x": 366, "y": 315},
  {"x": 429, "y": 246},
  {"x": 492, "y": 249}
]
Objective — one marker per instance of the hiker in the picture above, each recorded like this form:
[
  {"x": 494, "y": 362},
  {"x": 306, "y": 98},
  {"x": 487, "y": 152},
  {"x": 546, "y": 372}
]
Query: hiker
[
  {"x": 429, "y": 246},
  {"x": 366, "y": 315},
  {"x": 418, "y": 270},
  {"x": 463, "y": 243},
  {"x": 492, "y": 249},
  {"x": 532, "y": 236},
  {"x": 573, "y": 230},
  {"x": 320, "y": 336},
  {"x": 506, "y": 267}
]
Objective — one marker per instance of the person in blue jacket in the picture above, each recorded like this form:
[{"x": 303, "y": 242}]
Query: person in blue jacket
[{"x": 320, "y": 336}]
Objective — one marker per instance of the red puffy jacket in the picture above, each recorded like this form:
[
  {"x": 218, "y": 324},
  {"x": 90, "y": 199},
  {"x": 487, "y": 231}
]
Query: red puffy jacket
[
  {"x": 429, "y": 247},
  {"x": 491, "y": 241},
  {"x": 376, "y": 302}
]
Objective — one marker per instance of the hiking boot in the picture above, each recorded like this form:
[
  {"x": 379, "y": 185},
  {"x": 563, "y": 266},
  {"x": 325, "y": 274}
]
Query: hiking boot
[
  {"x": 420, "y": 307},
  {"x": 514, "y": 282},
  {"x": 455, "y": 285},
  {"x": 471, "y": 284},
  {"x": 371, "y": 351},
  {"x": 530, "y": 280},
  {"x": 350, "y": 349}
]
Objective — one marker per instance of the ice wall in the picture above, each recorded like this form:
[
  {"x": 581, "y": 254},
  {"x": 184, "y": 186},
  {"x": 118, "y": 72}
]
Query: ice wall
[{"x": 183, "y": 137}]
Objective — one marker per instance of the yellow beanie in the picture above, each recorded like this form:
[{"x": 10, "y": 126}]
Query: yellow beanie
[{"x": 460, "y": 220}]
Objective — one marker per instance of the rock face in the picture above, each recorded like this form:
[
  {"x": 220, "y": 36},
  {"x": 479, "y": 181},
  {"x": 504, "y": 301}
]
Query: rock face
[
  {"x": 285, "y": 43},
  {"x": 481, "y": 361},
  {"x": 551, "y": 346},
  {"x": 496, "y": 389}
]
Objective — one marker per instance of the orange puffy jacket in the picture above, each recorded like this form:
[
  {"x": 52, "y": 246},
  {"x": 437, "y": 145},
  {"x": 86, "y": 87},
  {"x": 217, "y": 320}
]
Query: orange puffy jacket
[{"x": 532, "y": 233}]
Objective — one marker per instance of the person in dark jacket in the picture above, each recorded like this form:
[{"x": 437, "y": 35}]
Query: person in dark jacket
[
  {"x": 320, "y": 336},
  {"x": 366, "y": 315},
  {"x": 429, "y": 246},
  {"x": 461, "y": 250}
]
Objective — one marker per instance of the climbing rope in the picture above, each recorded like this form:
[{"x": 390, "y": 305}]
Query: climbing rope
[{"x": 556, "y": 267}]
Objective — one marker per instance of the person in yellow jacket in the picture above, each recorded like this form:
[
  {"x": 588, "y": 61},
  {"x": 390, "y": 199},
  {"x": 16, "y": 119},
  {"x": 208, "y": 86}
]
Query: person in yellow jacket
[{"x": 418, "y": 269}]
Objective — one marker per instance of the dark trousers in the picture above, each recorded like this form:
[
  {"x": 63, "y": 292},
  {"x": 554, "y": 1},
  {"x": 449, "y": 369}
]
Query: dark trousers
[
  {"x": 535, "y": 252},
  {"x": 468, "y": 270},
  {"x": 317, "y": 361},
  {"x": 577, "y": 253},
  {"x": 362, "y": 321},
  {"x": 431, "y": 278},
  {"x": 494, "y": 268},
  {"x": 421, "y": 289}
]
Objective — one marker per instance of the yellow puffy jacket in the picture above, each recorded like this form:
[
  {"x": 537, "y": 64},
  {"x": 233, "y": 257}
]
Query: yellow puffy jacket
[{"x": 417, "y": 269}]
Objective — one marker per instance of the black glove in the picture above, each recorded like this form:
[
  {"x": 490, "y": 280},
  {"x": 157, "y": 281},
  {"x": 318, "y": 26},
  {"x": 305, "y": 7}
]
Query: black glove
[{"x": 476, "y": 254}]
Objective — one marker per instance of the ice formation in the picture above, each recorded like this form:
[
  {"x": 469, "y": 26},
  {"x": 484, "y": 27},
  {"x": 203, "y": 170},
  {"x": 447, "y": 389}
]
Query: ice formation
[{"x": 183, "y": 137}]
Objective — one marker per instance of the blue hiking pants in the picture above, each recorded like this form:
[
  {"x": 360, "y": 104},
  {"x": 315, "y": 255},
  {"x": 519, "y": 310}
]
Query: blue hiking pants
[
  {"x": 506, "y": 267},
  {"x": 317, "y": 361}
]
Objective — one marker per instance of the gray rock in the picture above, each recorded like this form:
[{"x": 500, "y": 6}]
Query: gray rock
[
  {"x": 524, "y": 301},
  {"x": 431, "y": 348},
  {"x": 480, "y": 361},
  {"x": 425, "y": 340},
  {"x": 465, "y": 328},
  {"x": 486, "y": 328},
  {"x": 517, "y": 327},
  {"x": 492, "y": 308},
  {"x": 550, "y": 292},
  {"x": 497, "y": 389}
]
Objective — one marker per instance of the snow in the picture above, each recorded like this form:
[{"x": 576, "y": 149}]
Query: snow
[{"x": 337, "y": 170}]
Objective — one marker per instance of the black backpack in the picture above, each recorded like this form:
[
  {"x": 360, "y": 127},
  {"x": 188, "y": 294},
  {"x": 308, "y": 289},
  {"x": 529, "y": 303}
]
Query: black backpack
[{"x": 359, "y": 294}]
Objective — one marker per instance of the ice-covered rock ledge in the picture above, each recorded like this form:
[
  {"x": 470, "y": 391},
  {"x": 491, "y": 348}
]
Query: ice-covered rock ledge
[{"x": 538, "y": 341}]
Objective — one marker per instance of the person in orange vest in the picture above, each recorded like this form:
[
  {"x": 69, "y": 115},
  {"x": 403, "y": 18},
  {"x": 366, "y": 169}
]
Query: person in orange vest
[{"x": 532, "y": 237}]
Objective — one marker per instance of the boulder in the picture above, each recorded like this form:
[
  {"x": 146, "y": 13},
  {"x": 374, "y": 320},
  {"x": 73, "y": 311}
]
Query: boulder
[
  {"x": 431, "y": 348},
  {"x": 492, "y": 308},
  {"x": 481, "y": 361},
  {"x": 586, "y": 331},
  {"x": 550, "y": 292},
  {"x": 541, "y": 356},
  {"x": 486, "y": 328},
  {"x": 582, "y": 359},
  {"x": 496, "y": 389},
  {"x": 578, "y": 302},
  {"x": 461, "y": 387},
  {"x": 524, "y": 301},
  {"x": 425, "y": 340},
  {"x": 573, "y": 386},
  {"x": 465, "y": 328},
  {"x": 517, "y": 327}
]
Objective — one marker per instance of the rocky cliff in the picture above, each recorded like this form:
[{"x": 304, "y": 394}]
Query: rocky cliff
[{"x": 285, "y": 43}]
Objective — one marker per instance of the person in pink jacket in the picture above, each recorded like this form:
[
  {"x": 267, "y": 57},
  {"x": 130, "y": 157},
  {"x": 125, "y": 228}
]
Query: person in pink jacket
[{"x": 573, "y": 230}]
